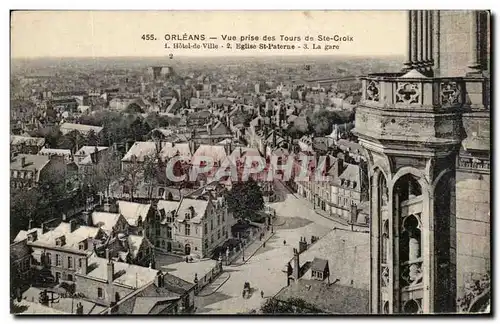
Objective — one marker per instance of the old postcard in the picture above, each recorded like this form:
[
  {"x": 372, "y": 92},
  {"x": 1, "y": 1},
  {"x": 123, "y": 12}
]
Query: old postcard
[{"x": 250, "y": 162}]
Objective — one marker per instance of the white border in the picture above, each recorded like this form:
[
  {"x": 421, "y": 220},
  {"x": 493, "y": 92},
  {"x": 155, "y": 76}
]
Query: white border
[{"x": 192, "y": 5}]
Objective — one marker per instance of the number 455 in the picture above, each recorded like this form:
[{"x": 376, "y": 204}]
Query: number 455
[{"x": 148, "y": 37}]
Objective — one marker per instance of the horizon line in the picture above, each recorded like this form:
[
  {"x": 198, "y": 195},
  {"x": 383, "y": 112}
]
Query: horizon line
[{"x": 207, "y": 57}]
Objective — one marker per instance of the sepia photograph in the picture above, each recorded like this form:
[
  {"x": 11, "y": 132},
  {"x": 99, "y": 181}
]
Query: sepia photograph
[{"x": 321, "y": 162}]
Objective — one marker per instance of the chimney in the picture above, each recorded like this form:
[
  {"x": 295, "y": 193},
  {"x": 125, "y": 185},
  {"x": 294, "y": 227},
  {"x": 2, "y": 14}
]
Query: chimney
[
  {"x": 111, "y": 270},
  {"x": 354, "y": 213},
  {"x": 106, "y": 207},
  {"x": 159, "y": 279},
  {"x": 23, "y": 161},
  {"x": 30, "y": 224},
  {"x": 296, "y": 264},
  {"x": 79, "y": 309},
  {"x": 87, "y": 218},
  {"x": 302, "y": 245},
  {"x": 44, "y": 228},
  {"x": 72, "y": 225},
  {"x": 63, "y": 217},
  {"x": 340, "y": 166}
]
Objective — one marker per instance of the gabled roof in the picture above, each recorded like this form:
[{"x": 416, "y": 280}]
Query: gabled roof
[
  {"x": 170, "y": 150},
  {"x": 72, "y": 239},
  {"x": 199, "y": 206},
  {"x": 53, "y": 151},
  {"x": 105, "y": 220},
  {"x": 140, "y": 150},
  {"x": 132, "y": 211},
  {"x": 330, "y": 298},
  {"x": 130, "y": 275},
  {"x": 33, "y": 162},
  {"x": 216, "y": 152},
  {"x": 23, "y": 235},
  {"x": 87, "y": 150},
  {"x": 27, "y": 140},
  {"x": 134, "y": 244},
  {"x": 68, "y": 127},
  {"x": 319, "y": 264}
]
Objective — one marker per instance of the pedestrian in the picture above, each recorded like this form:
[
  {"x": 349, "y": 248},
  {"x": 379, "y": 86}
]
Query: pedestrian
[
  {"x": 284, "y": 242},
  {"x": 264, "y": 244},
  {"x": 262, "y": 294}
]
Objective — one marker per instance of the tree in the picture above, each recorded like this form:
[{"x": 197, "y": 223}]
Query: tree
[
  {"x": 131, "y": 177},
  {"x": 92, "y": 138},
  {"x": 290, "y": 306},
  {"x": 101, "y": 174},
  {"x": 245, "y": 199},
  {"x": 51, "y": 134},
  {"x": 72, "y": 141},
  {"x": 322, "y": 122}
]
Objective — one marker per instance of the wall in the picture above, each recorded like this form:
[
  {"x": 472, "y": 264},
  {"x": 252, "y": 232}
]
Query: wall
[
  {"x": 473, "y": 226},
  {"x": 88, "y": 287},
  {"x": 454, "y": 43},
  {"x": 64, "y": 268}
]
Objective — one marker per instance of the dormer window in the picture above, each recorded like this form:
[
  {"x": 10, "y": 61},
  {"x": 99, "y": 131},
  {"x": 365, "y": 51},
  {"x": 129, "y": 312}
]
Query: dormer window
[
  {"x": 60, "y": 241},
  {"x": 82, "y": 246}
]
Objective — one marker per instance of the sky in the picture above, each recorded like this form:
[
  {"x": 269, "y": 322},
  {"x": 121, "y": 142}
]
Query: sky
[{"x": 118, "y": 33}]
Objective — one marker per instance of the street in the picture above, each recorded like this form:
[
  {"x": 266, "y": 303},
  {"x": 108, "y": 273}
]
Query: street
[{"x": 265, "y": 270}]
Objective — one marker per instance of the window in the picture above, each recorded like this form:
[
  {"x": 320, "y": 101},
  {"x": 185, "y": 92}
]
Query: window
[
  {"x": 196, "y": 229},
  {"x": 58, "y": 260},
  {"x": 218, "y": 234},
  {"x": 223, "y": 220},
  {"x": 80, "y": 263},
  {"x": 163, "y": 244},
  {"x": 161, "y": 192},
  {"x": 211, "y": 224},
  {"x": 48, "y": 257},
  {"x": 70, "y": 277},
  {"x": 169, "y": 232},
  {"x": 218, "y": 220},
  {"x": 314, "y": 274},
  {"x": 205, "y": 231},
  {"x": 212, "y": 239},
  {"x": 224, "y": 231},
  {"x": 158, "y": 231},
  {"x": 70, "y": 263},
  {"x": 188, "y": 216},
  {"x": 100, "y": 293},
  {"x": 320, "y": 274},
  {"x": 170, "y": 217},
  {"x": 206, "y": 244},
  {"x": 187, "y": 229}
]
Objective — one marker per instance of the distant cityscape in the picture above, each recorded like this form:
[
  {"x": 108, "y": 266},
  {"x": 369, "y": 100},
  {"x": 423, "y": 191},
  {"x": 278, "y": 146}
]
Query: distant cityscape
[{"x": 99, "y": 223}]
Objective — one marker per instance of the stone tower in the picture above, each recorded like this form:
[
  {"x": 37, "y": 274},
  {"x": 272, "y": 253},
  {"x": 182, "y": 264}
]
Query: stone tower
[{"x": 425, "y": 132}]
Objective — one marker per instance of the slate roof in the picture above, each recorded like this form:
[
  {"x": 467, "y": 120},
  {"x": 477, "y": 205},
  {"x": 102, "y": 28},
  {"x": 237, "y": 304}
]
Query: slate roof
[
  {"x": 319, "y": 264},
  {"x": 85, "y": 129},
  {"x": 72, "y": 239},
  {"x": 105, "y": 220},
  {"x": 330, "y": 298},
  {"x": 131, "y": 211},
  {"x": 27, "y": 140},
  {"x": 33, "y": 162},
  {"x": 130, "y": 275},
  {"x": 140, "y": 150}
]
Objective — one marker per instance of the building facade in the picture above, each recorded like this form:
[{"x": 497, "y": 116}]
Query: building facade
[{"x": 425, "y": 132}]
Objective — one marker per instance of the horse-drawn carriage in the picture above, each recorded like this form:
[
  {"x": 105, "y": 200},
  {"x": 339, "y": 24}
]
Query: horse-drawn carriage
[{"x": 246, "y": 290}]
